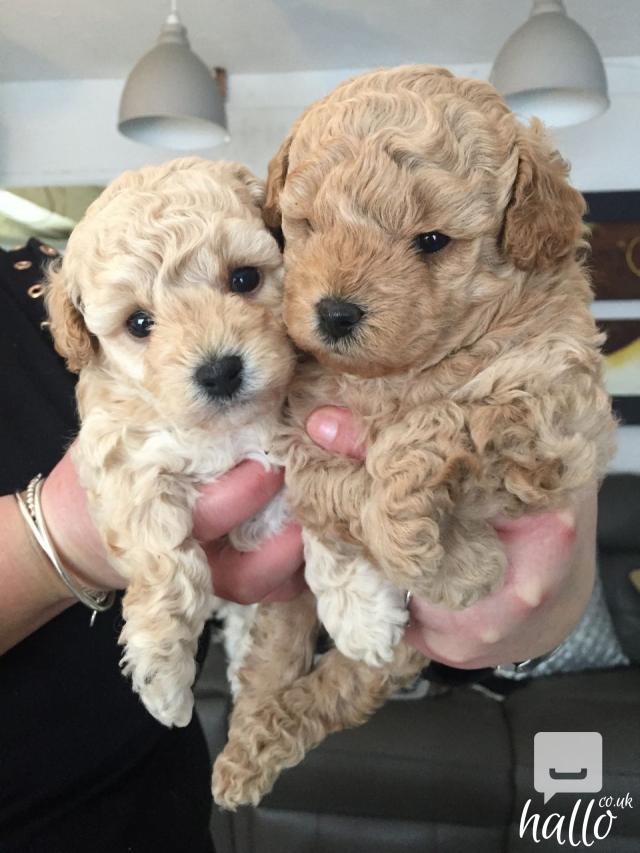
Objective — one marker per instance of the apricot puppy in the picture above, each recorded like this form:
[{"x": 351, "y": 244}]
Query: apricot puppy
[
  {"x": 434, "y": 271},
  {"x": 168, "y": 303}
]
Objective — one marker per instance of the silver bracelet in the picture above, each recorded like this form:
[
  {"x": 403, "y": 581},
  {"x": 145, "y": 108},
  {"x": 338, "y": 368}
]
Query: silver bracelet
[{"x": 31, "y": 508}]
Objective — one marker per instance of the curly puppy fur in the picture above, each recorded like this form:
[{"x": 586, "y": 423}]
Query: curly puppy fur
[
  {"x": 475, "y": 372},
  {"x": 164, "y": 240}
]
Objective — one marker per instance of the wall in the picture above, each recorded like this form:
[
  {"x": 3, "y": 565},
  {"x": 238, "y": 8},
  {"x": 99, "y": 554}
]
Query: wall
[{"x": 64, "y": 132}]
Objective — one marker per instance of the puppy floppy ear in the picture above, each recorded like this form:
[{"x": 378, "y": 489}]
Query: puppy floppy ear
[
  {"x": 254, "y": 185},
  {"x": 276, "y": 176},
  {"x": 70, "y": 335},
  {"x": 543, "y": 221}
]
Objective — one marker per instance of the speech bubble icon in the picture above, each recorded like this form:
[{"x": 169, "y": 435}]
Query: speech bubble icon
[{"x": 567, "y": 763}]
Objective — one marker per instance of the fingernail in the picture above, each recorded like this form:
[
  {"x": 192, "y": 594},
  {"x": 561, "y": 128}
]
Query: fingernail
[
  {"x": 530, "y": 593},
  {"x": 490, "y": 636},
  {"x": 322, "y": 428},
  {"x": 567, "y": 518}
]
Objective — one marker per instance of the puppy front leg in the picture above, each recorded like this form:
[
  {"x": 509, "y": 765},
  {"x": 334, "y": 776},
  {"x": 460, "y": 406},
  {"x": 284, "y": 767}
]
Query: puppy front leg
[
  {"x": 165, "y": 607},
  {"x": 363, "y": 612},
  {"x": 411, "y": 469},
  {"x": 410, "y": 527},
  {"x": 325, "y": 492},
  {"x": 144, "y": 516}
]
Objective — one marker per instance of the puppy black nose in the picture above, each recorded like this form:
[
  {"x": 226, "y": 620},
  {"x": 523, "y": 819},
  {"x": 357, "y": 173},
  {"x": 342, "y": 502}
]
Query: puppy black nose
[
  {"x": 338, "y": 318},
  {"x": 220, "y": 377}
]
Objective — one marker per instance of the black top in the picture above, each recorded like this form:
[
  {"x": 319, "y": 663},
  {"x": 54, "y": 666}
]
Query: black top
[{"x": 83, "y": 766}]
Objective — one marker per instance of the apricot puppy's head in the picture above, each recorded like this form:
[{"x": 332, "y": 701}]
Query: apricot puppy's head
[
  {"x": 410, "y": 202},
  {"x": 172, "y": 286}
]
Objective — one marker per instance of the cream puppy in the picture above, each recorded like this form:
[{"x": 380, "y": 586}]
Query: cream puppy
[{"x": 168, "y": 304}]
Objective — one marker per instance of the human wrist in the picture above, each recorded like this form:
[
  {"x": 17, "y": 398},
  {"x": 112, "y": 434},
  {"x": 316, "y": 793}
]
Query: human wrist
[
  {"x": 35, "y": 576},
  {"x": 71, "y": 530},
  {"x": 30, "y": 506},
  {"x": 32, "y": 595},
  {"x": 45, "y": 582}
]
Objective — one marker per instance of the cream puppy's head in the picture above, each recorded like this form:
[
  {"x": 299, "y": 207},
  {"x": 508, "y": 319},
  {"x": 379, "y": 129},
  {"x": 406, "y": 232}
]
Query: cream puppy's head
[
  {"x": 171, "y": 286},
  {"x": 413, "y": 206}
]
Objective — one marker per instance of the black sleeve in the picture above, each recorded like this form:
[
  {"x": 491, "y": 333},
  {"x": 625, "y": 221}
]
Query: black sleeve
[{"x": 83, "y": 766}]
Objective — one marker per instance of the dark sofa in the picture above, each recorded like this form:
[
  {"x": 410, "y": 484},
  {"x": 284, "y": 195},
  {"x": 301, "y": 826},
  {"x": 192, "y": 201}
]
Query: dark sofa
[{"x": 452, "y": 772}]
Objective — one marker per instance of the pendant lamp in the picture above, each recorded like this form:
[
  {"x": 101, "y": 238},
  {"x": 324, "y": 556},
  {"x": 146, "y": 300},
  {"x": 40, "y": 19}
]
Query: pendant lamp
[
  {"x": 552, "y": 69},
  {"x": 171, "y": 99}
]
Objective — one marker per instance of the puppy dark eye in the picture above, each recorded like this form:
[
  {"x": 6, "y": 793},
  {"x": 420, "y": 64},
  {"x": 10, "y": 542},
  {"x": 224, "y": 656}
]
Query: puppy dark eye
[
  {"x": 430, "y": 242},
  {"x": 244, "y": 279},
  {"x": 139, "y": 324}
]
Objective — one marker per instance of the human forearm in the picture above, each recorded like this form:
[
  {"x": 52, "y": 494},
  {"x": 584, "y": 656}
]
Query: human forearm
[{"x": 32, "y": 594}]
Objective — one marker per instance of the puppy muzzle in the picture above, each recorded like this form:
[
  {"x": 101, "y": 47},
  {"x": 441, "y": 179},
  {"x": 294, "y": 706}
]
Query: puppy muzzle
[
  {"x": 338, "y": 319},
  {"x": 221, "y": 378}
]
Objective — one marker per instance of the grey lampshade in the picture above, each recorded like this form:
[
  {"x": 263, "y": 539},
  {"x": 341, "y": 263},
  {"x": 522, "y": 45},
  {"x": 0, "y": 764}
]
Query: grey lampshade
[
  {"x": 551, "y": 68},
  {"x": 170, "y": 99}
]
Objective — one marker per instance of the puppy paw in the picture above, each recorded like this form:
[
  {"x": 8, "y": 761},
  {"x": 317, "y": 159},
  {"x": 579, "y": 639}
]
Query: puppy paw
[
  {"x": 239, "y": 781},
  {"x": 473, "y": 567},
  {"x": 365, "y": 628},
  {"x": 163, "y": 685},
  {"x": 257, "y": 752},
  {"x": 407, "y": 550},
  {"x": 169, "y": 706}
]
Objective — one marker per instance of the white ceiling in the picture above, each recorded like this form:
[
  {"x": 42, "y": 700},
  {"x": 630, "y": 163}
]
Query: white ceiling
[{"x": 40, "y": 39}]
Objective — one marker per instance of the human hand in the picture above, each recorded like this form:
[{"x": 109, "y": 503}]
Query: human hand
[
  {"x": 271, "y": 573},
  {"x": 547, "y": 585}
]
